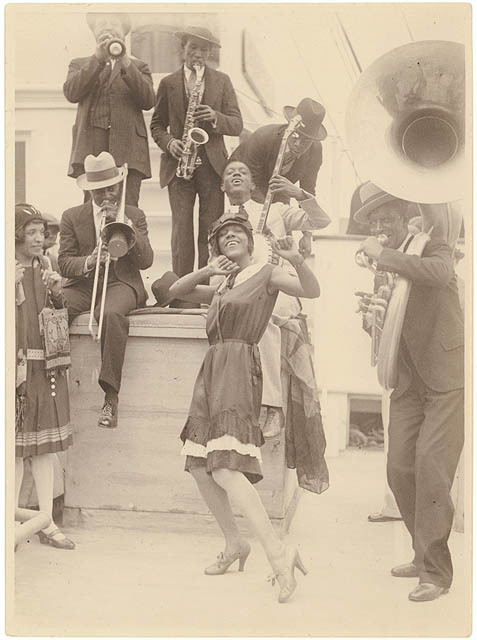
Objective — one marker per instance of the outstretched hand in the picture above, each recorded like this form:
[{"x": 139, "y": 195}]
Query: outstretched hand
[{"x": 222, "y": 266}]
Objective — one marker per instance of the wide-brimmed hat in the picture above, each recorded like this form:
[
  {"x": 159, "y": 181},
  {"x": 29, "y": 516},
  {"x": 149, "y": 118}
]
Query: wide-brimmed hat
[
  {"x": 367, "y": 198},
  {"x": 25, "y": 213},
  {"x": 160, "y": 288},
  {"x": 100, "y": 171},
  {"x": 199, "y": 32},
  {"x": 312, "y": 114},
  {"x": 230, "y": 217},
  {"x": 124, "y": 17}
]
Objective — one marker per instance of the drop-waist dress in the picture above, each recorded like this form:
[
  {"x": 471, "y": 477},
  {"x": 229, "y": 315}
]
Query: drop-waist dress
[
  {"x": 222, "y": 429},
  {"x": 46, "y": 426}
]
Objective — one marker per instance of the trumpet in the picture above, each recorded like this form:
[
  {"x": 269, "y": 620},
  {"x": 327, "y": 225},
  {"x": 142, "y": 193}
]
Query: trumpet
[
  {"x": 118, "y": 238},
  {"x": 116, "y": 48}
]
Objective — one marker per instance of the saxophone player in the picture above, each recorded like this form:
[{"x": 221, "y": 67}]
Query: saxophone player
[
  {"x": 196, "y": 94},
  {"x": 426, "y": 421}
]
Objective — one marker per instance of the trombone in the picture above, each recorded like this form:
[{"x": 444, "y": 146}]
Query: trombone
[{"x": 118, "y": 238}]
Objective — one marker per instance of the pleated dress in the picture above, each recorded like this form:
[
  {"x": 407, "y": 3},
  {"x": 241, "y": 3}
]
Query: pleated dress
[
  {"x": 46, "y": 427},
  {"x": 222, "y": 428}
]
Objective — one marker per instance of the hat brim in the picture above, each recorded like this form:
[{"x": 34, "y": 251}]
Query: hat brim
[
  {"x": 85, "y": 185},
  {"x": 248, "y": 229},
  {"x": 290, "y": 112},
  {"x": 183, "y": 34},
  {"x": 363, "y": 212}
]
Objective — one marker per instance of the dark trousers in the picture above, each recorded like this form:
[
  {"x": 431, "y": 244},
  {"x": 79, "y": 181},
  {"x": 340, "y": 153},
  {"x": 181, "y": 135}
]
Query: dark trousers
[
  {"x": 182, "y": 194},
  {"x": 120, "y": 300},
  {"x": 134, "y": 179},
  {"x": 426, "y": 435}
]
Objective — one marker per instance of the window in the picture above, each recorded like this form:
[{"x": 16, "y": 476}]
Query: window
[
  {"x": 20, "y": 171},
  {"x": 154, "y": 42}
]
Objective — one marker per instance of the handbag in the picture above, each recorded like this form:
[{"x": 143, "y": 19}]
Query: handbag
[{"x": 55, "y": 335}]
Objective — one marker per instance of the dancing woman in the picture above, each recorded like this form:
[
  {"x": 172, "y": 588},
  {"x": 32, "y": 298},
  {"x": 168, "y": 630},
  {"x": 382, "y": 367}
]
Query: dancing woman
[{"x": 222, "y": 436}]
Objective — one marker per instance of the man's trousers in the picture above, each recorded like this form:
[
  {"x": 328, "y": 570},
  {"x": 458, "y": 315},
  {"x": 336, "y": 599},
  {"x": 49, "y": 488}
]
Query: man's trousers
[
  {"x": 426, "y": 435},
  {"x": 205, "y": 183},
  {"x": 120, "y": 300}
]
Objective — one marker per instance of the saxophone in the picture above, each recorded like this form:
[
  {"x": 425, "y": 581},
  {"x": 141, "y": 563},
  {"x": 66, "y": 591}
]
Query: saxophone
[{"x": 192, "y": 137}]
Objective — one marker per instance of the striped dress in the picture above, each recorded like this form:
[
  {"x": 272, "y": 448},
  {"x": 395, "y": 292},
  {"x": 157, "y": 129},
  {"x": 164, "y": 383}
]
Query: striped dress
[{"x": 46, "y": 426}]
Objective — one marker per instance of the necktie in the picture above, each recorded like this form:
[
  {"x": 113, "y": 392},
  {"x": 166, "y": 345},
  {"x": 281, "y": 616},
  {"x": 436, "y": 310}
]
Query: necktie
[
  {"x": 192, "y": 81},
  {"x": 288, "y": 160}
]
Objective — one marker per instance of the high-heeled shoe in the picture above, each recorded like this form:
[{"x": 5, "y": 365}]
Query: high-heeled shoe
[
  {"x": 286, "y": 576},
  {"x": 62, "y": 543},
  {"x": 225, "y": 561}
]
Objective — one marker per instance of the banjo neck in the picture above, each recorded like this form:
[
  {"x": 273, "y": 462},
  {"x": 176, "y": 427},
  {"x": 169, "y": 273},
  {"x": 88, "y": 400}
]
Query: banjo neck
[{"x": 292, "y": 126}]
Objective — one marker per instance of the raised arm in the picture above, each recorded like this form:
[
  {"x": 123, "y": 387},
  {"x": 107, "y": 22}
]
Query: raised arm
[
  {"x": 189, "y": 287},
  {"x": 139, "y": 81},
  {"x": 433, "y": 269},
  {"x": 82, "y": 76},
  {"x": 305, "y": 285}
]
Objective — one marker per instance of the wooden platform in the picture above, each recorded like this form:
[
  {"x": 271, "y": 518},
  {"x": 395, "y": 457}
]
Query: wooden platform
[{"x": 138, "y": 465}]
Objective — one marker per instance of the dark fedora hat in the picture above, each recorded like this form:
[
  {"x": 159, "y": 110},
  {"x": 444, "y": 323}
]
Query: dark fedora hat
[
  {"x": 312, "y": 114},
  {"x": 366, "y": 199},
  {"x": 160, "y": 288},
  {"x": 198, "y": 32}
]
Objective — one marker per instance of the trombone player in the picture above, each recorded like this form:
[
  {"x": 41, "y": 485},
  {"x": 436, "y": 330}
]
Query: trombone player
[
  {"x": 426, "y": 425},
  {"x": 78, "y": 258}
]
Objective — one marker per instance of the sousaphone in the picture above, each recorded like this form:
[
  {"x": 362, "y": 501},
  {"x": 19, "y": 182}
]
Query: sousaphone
[{"x": 405, "y": 129}]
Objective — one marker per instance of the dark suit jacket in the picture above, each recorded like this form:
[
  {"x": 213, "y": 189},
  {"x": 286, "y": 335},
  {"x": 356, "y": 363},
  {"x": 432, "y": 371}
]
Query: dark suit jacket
[
  {"x": 171, "y": 108},
  {"x": 130, "y": 91},
  {"x": 433, "y": 329},
  {"x": 259, "y": 152},
  {"x": 78, "y": 240}
]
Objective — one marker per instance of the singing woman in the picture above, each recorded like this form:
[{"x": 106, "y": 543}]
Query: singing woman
[{"x": 222, "y": 437}]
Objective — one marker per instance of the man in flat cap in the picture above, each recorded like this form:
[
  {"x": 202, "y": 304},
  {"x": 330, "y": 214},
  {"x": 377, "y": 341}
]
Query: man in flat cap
[
  {"x": 112, "y": 89},
  {"x": 301, "y": 162},
  {"x": 426, "y": 418},
  {"x": 218, "y": 114}
]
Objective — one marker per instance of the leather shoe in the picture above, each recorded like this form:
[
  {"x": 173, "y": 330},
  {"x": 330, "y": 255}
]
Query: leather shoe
[
  {"x": 426, "y": 591},
  {"x": 408, "y": 570},
  {"x": 380, "y": 517},
  {"x": 109, "y": 416}
]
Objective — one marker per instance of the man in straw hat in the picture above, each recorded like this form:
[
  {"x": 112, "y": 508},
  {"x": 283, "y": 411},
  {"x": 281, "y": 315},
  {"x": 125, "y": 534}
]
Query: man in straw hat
[
  {"x": 426, "y": 422},
  {"x": 77, "y": 258},
  {"x": 301, "y": 162},
  {"x": 111, "y": 93},
  {"x": 218, "y": 114}
]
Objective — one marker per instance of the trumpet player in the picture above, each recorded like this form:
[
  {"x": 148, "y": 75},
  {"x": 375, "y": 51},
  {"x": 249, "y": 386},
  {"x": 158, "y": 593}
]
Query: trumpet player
[
  {"x": 426, "y": 423},
  {"x": 195, "y": 95},
  {"x": 111, "y": 89},
  {"x": 80, "y": 233}
]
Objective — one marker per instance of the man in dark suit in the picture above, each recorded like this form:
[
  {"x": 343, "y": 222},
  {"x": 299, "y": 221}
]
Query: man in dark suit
[
  {"x": 301, "y": 162},
  {"x": 79, "y": 233},
  {"x": 218, "y": 114},
  {"x": 111, "y": 94},
  {"x": 426, "y": 425}
]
